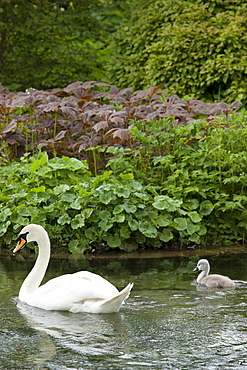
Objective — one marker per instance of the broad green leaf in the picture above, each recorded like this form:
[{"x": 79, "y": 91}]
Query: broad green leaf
[
  {"x": 148, "y": 229},
  {"x": 142, "y": 196},
  {"x": 114, "y": 241},
  {"x": 39, "y": 162},
  {"x": 14, "y": 217},
  {"x": 64, "y": 219},
  {"x": 4, "y": 198},
  {"x": 202, "y": 230},
  {"x": 78, "y": 246},
  {"x": 180, "y": 223},
  {"x": 194, "y": 238},
  {"x": 119, "y": 218},
  {"x": 21, "y": 193},
  {"x": 127, "y": 176},
  {"x": 130, "y": 208},
  {"x": 39, "y": 189},
  {"x": 61, "y": 189},
  {"x": 78, "y": 221},
  {"x": 104, "y": 214},
  {"x": 20, "y": 209},
  {"x": 192, "y": 228},
  {"x": 162, "y": 202},
  {"x": 165, "y": 235},
  {"x": 95, "y": 216},
  {"x": 87, "y": 212},
  {"x": 118, "y": 209},
  {"x": 106, "y": 198},
  {"x": 125, "y": 232},
  {"x": 77, "y": 204},
  {"x": 136, "y": 186},
  {"x": 4, "y": 214},
  {"x": 194, "y": 216},
  {"x": 73, "y": 246},
  {"x": 206, "y": 207},
  {"x": 133, "y": 224},
  {"x": 68, "y": 197},
  {"x": 91, "y": 234},
  {"x": 191, "y": 204},
  {"x": 163, "y": 220},
  {"x": 67, "y": 163},
  {"x": 140, "y": 238},
  {"x": 4, "y": 227},
  {"x": 39, "y": 218},
  {"x": 105, "y": 224},
  {"x": 122, "y": 192}
]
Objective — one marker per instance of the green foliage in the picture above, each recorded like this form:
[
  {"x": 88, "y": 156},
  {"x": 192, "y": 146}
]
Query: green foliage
[
  {"x": 194, "y": 48},
  {"x": 86, "y": 212},
  {"x": 203, "y": 166},
  {"x": 45, "y": 44},
  {"x": 193, "y": 191}
]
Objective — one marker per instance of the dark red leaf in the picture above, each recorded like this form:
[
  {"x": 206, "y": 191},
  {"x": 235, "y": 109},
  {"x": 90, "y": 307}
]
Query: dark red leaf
[{"x": 10, "y": 127}]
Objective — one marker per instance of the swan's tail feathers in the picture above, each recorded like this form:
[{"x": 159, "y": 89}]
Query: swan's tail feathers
[{"x": 114, "y": 304}]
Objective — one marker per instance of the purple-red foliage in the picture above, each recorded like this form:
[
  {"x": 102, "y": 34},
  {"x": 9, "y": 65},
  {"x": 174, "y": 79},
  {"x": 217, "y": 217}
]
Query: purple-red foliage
[{"x": 87, "y": 114}]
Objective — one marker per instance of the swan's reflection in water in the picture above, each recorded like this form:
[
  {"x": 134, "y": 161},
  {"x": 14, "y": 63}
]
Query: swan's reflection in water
[{"x": 87, "y": 334}]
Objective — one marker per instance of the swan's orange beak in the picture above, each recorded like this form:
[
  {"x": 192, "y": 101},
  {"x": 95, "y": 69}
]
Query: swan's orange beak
[{"x": 21, "y": 243}]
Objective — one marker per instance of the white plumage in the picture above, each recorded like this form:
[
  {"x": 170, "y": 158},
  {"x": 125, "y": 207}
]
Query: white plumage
[{"x": 82, "y": 291}]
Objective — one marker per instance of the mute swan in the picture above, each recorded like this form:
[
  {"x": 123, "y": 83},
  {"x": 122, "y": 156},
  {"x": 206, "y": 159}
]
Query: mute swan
[
  {"x": 213, "y": 280},
  {"x": 82, "y": 291}
]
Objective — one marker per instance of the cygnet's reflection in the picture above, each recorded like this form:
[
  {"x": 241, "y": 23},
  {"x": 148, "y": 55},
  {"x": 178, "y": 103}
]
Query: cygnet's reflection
[{"x": 84, "y": 333}]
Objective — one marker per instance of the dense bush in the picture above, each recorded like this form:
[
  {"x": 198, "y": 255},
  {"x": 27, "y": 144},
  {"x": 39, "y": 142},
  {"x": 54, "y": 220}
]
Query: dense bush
[
  {"x": 195, "y": 48},
  {"x": 76, "y": 120},
  {"x": 160, "y": 170},
  {"x": 183, "y": 184},
  {"x": 53, "y": 43},
  {"x": 85, "y": 213}
]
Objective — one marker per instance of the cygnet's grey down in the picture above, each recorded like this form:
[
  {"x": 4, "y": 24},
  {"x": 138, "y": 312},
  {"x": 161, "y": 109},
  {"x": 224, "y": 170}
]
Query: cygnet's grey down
[{"x": 214, "y": 281}]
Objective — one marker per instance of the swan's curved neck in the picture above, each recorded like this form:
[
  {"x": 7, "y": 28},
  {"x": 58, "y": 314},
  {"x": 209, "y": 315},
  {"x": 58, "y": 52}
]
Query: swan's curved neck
[
  {"x": 203, "y": 273},
  {"x": 34, "y": 278}
]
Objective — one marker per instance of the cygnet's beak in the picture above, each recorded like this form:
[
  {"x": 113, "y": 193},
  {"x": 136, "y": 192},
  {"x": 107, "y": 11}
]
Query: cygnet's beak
[{"x": 196, "y": 269}]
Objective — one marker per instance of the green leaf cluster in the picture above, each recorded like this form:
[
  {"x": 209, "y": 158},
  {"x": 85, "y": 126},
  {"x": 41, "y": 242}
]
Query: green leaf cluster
[
  {"x": 184, "y": 184},
  {"x": 204, "y": 167},
  {"x": 46, "y": 44},
  {"x": 196, "y": 48},
  {"x": 87, "y": 213}
]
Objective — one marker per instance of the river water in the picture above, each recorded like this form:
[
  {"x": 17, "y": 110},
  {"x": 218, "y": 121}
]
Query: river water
[{"x": 167, "y": 323}]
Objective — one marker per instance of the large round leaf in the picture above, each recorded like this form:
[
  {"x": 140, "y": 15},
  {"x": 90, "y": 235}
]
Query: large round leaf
[
  {"x": 206, "y": 208},
  {"x": 148, "y": 229}
]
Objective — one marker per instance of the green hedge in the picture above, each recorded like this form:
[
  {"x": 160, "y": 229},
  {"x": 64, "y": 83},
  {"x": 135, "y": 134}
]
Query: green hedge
[
  {"x": 195, "y": 48},
  {"x": 185, "y": 184}
]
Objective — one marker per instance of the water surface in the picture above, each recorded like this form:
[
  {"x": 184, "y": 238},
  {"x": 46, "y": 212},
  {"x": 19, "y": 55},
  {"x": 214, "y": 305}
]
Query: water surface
[{"x": 167, "y": 323}]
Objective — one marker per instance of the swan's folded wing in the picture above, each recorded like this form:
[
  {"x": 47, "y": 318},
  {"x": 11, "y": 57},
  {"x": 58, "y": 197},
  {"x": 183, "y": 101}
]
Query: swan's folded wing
[{"x": 63, "y": 292}]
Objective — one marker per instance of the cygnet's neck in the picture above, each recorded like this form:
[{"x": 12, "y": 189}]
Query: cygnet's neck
[
  {"x": 203, "y": 273},
  {"x": 34, "y": 278}
]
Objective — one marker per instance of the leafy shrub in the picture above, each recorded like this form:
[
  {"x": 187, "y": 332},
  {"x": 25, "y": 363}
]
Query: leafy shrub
[
  {"x": 72, "y": 120},
  {"x": 86, "y": 212},
  {"x": 157, "y": 173},
  {"x": 204, "y": 166},
  {"x": 195, "y": 48},
  {"x": 184, "y": 183},
  {"x": 52, "y": 43}
]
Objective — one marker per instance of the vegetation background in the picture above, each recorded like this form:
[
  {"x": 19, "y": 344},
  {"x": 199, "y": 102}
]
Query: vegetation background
[{"x": 139, "y": 154}]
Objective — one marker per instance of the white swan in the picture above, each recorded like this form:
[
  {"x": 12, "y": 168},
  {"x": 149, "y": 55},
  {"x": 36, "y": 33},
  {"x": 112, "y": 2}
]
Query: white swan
[
  {"x": 82, "y": 291},
  {"x": 213, "y": 280}
]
